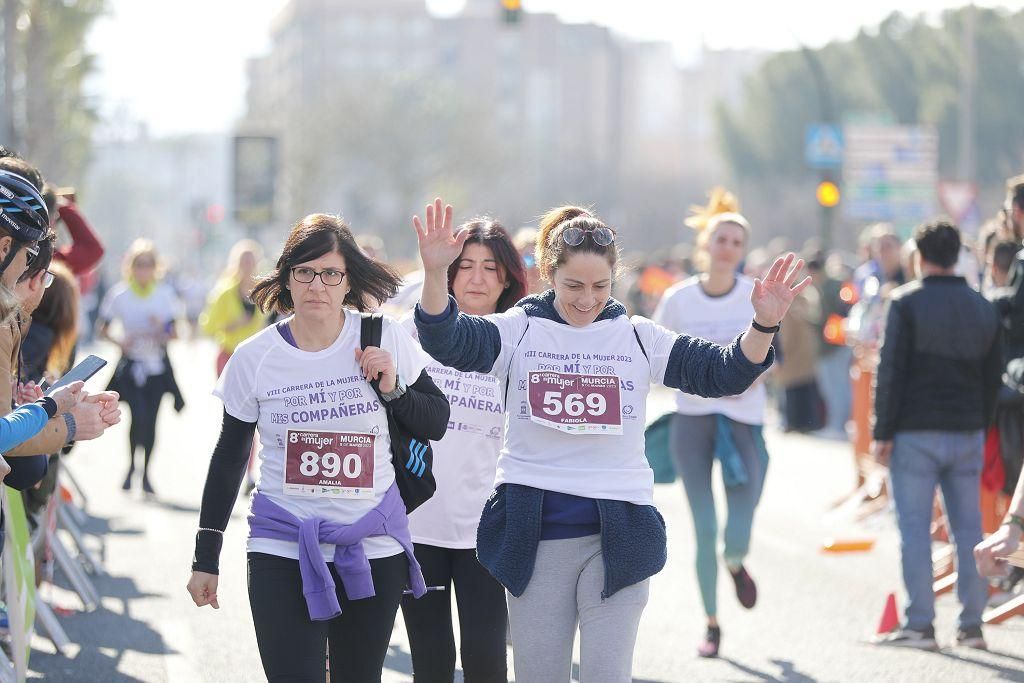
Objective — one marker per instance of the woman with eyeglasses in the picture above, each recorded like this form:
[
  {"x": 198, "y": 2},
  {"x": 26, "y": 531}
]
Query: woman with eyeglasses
[
  {"x": 329, "y": 549},
  {"x": 718, "y": 304},
  {"x": 488, "y": 277},
  {"x": 571, "y": 530},
  {"x": 146, "y": 308}
]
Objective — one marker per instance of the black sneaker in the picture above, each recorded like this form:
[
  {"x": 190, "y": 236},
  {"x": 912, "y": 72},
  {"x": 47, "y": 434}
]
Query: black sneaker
[
  {"x": 908, "y": 638},
  {"x": 712, "y": 640},
  {"x": 127, "y": 485},
  {"x": 971, "y": 636},
  {"x": 746, "y": 589},
  {"x": 146, "y": 486}
]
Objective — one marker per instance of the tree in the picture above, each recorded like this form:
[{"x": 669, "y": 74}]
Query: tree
[
  {"x": 50, "y": 119},
  {"x": 905, "y": 70}
]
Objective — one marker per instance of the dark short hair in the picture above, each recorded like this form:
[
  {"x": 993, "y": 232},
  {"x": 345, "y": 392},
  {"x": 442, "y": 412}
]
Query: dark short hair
[
  {"x": 939, "y": 243},
  {"x": 371, "y": 283},
  {"x": 494, "y": 236},
  {"x": 1003, "y": 253}
]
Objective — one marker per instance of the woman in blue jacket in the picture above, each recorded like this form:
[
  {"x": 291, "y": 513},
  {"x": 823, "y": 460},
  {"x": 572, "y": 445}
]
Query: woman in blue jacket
[{"x": 571, "y": 530}]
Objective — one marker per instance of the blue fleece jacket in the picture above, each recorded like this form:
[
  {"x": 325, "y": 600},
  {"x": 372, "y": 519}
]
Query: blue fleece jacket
[{"x": 633, "y": 538}]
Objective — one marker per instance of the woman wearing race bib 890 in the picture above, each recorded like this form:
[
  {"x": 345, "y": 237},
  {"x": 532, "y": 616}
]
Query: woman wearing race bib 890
[
  {"x": 571, "y": 530},
  {"x": 329, "y": 551},
  {"x": 488, "y": 277}
]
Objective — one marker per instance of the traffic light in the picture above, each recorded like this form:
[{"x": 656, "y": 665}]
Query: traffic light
[
  {"x": 512, "y": 11},
  {"x": 827, "y": 194}
]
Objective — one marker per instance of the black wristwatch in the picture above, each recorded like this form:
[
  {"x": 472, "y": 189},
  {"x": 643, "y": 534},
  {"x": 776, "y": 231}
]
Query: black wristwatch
[{"x": 761, "y": 328}]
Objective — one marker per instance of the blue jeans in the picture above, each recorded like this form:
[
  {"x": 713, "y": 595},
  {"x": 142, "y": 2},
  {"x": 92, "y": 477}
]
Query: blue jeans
[
  {"x": 834, "y": 383},
  {"x": 952, "y": 461}
]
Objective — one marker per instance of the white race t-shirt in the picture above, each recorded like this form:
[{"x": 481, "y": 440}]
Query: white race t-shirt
[
  {"x": 145, "y": 319},
  {"x": 464, "y": 460},
  {"x": 686, "y": 309},
  {"x": 305, "y": 399},
  {"x": 577, "y": 402}
]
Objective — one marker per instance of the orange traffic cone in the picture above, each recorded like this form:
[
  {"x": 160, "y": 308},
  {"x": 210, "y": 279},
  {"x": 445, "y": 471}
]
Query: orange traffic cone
[{"x": 890, "y": 617}]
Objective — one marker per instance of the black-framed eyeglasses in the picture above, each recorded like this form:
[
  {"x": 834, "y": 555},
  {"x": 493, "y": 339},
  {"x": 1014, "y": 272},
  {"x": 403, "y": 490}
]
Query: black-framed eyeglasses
[
  {"x": 306, "y": 275},
  {"x": 48, "y": 279},
  {"x": 602, "y": 236}
]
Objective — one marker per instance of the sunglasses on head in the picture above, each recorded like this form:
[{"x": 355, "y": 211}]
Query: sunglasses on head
[{"x": 602, "y": 236}]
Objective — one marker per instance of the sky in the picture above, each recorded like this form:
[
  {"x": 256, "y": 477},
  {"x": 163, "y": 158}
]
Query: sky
[{"x": 143, "y": 46}]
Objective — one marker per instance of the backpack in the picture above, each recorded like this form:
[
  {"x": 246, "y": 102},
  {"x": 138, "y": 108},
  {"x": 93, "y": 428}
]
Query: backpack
[{"x": 411, "y": 455}]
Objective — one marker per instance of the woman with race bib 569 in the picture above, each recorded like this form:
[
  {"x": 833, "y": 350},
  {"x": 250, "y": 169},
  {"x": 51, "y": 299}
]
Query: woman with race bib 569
[{"x": 570, "y": 529}]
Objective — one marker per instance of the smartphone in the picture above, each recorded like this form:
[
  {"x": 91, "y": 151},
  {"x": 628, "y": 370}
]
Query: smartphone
[{"x": 80, "y": 373}]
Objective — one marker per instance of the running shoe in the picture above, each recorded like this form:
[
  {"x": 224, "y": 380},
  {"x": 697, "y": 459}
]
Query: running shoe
[
  {"x": 712, "y": 639},
  {"x": 746, "y": 589},
  {"x": 146, "y": 486},
  {"x": 127, "y": 485},
  {"x": 971, "y": 636},
  {"x": 909, "y": 638}
]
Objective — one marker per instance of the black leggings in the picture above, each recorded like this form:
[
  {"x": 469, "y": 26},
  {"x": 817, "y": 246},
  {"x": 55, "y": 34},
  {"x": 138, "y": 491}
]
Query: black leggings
[
  {"x": 292, "y": 646},
  {"x": 483, "y": 619},
  {"x": 145, "y": 405}
]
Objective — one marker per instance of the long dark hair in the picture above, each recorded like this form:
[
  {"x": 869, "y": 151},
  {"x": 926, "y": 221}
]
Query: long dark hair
[
  {"x": 59, "y": 311},
  {"x": 317, "y": 234},
  {"x": 494, "y": 236}
]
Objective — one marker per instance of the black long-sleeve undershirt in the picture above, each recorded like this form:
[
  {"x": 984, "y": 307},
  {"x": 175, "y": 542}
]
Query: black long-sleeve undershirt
[{"x": 422, "y": 405}]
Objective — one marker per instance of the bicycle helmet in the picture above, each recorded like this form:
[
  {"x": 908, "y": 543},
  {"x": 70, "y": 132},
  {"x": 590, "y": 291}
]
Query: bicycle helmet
[{"x": 22, "y": 209}]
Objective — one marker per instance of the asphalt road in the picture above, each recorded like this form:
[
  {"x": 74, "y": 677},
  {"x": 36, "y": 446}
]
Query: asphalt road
[{"x": 813, "y": 621}]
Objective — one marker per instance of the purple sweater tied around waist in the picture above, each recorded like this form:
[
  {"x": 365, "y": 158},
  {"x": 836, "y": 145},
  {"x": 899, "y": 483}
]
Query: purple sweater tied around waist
[{"x": 269, "y": 520}]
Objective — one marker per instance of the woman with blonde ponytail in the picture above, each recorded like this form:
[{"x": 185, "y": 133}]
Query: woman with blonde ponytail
[
  {"x": 718, "y": 304},
  {"x": 570, "y": 529}
]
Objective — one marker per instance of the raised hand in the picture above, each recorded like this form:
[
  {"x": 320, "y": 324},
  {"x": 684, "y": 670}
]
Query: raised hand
[
  {"x": 773, "y": 295},
  {"x": 439, "y": 246}
]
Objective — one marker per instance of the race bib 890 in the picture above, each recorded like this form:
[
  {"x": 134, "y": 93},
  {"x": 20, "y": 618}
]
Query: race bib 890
[
  {"x": 576, "y": 404},
  {"x": 329, "y": 464}
]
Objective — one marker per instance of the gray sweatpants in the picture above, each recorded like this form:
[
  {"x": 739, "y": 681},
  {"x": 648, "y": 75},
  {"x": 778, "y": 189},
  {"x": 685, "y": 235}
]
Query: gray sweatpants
[{"x": 565, "y": 591}]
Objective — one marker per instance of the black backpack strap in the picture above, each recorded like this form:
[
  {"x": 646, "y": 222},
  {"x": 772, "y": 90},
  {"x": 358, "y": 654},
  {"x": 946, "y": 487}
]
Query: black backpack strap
[
  {"x": 642, "y": 349},
  {"x": 371, "y": 330}
]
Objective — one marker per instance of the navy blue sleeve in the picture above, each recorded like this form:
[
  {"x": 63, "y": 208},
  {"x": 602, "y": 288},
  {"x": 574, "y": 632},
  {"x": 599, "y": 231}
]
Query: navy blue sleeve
[
  {"x": 697, "y": 366},
  {"x": 469, "y": 343}
]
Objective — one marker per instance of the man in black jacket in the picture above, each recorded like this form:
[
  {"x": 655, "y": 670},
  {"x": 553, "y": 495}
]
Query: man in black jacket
[{"x": 935, "y": 391}]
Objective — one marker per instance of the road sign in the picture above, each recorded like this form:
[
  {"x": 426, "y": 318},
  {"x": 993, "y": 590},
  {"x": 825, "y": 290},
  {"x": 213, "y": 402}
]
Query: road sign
[
  {"x": 958, "y": 198},
  {"x": 823, "y": 146},
  {"x": 890, "y": 173}
]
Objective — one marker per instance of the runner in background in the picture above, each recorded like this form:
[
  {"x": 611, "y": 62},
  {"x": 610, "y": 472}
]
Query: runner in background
[
  {"x": 146, "y": 308},
  {"x": 571, "y": 530},
  {"x": 329, "y": 551},
  {"x": 488, "y": 277},
  {"x": 230, "y": 316},
  {"x": 717, "y": 304}
]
